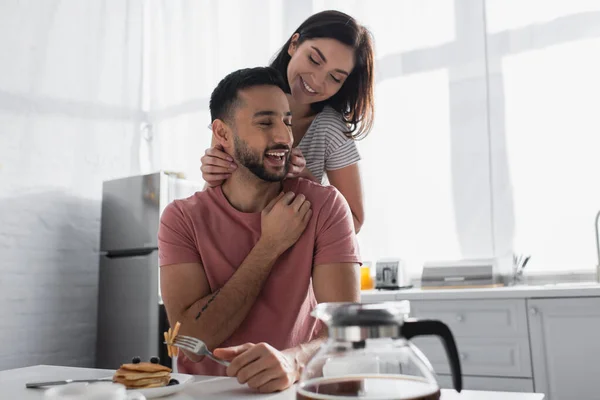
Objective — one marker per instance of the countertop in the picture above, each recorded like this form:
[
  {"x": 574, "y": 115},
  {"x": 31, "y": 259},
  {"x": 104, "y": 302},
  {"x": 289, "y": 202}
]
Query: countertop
[
  {"x": 12, "y": 386},
  {"x": 583, "y": 289}
]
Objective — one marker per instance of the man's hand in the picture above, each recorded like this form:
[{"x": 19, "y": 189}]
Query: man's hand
[
  {"x": 261, "y": 366},
  {"x": 284, "y": 219}
]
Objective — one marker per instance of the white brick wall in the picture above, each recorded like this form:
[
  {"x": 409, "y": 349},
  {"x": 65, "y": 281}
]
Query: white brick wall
[{"x": 50, "y": 192}]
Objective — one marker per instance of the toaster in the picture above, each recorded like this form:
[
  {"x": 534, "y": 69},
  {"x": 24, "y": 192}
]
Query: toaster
[{"x": 391, "y": 274}]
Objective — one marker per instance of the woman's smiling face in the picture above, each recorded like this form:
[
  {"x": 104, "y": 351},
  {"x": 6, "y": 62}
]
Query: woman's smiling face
[{"x": 318, "y": 68}]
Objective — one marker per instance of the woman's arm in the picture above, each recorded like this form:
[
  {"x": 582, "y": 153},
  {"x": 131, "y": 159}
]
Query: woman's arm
[{"x": 347, "y": 181}]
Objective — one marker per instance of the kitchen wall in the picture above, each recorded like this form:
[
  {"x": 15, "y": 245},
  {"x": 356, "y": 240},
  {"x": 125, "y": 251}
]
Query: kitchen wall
[{"x": 69, "y": 119}]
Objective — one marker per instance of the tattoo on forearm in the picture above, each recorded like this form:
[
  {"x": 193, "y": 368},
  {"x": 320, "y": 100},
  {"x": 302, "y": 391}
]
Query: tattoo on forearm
[{"x": 207, "y": 303}]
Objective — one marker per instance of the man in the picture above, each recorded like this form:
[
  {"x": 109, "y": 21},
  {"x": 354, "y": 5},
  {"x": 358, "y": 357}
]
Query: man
[{"x": 246, "y": 262}]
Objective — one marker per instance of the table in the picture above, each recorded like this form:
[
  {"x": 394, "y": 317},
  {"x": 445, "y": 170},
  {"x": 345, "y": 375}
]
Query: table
[{"x": 12, "y": 386}]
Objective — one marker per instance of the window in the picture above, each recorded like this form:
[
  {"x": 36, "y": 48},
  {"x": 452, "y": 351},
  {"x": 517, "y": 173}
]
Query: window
[
  {"x": 407, "y": 173},
  {"x": 400, "y": 25},
  {"x": 418, "y": 166},
  {"x": 504, "y": 15},
  {"x": 486, "y": 135},
  {"x": 551, "y": 98}
]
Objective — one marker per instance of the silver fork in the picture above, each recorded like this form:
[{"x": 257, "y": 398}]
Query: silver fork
[{"x": 196, "y": 346}]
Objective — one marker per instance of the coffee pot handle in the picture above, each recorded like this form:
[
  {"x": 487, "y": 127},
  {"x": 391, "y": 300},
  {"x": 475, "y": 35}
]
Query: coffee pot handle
[{"x": 415, "y": 327}]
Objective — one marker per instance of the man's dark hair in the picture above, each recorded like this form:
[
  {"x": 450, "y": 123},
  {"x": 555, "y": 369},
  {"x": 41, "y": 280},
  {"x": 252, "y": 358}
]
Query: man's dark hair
[{"x": 225, "y": 96}]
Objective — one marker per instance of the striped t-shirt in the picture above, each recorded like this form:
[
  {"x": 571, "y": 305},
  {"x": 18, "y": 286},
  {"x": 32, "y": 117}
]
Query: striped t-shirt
[{"x": 325, "y": 145}]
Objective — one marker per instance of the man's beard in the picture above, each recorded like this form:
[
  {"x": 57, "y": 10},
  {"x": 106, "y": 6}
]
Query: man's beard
[{"x": 251, "y": 160}]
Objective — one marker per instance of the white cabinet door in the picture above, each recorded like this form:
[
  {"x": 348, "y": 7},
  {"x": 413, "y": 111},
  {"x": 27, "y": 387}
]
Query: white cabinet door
[
  {"x": 506, "y": 318},
  {"x": 565, "y": 347},
  {"x": 491, "y": 336},
  {"x": 504, "y": 357}
]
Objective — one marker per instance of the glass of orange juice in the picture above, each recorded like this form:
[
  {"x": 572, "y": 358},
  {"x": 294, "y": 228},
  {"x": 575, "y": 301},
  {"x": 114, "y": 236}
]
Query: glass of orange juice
[{"x": 366, "y": 280}]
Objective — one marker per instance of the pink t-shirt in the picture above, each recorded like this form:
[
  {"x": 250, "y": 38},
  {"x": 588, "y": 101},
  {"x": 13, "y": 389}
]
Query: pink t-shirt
[{"x": 205, "y": 228}]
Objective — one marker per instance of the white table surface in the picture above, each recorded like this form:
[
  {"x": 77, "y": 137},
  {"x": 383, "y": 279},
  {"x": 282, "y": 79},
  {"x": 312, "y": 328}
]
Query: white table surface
[{"x": 12, "y": 386}]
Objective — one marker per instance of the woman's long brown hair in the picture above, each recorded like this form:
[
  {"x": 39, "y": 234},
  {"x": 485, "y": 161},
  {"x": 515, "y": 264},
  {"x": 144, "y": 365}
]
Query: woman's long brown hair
[{"x": 355, "y": 99}]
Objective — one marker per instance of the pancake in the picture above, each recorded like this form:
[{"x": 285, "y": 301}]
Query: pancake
[
  {"x": 134, "y": 376},
  {"x": 143, "y": 383},
  {"x": 142, "y": 375}
]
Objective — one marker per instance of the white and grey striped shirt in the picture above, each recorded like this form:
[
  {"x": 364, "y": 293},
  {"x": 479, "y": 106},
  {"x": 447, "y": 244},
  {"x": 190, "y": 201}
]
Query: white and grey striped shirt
[{"x": 325, "y": 145}]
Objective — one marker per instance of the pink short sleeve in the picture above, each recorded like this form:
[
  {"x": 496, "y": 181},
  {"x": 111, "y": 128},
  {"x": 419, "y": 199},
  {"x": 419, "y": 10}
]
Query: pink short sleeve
[
  {"x": 176, "y": 239},
  {"x": 336, "y": 241}
]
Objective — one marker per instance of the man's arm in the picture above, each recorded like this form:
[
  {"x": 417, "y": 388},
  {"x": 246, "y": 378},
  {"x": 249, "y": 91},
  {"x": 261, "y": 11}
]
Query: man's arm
[
  {"x": 331, "y": 283},
  {"x": 213, "y": 317},
  {"x": 335, "y": 279},
  {"x": 263, "y": 367}
]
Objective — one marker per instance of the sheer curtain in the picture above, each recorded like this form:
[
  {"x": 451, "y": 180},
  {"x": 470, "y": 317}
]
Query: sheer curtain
[
  {"x": 70, "y": 112},
  {"x": 485, "y": 134},
  {"x": 193, "y": 46},
  {"x": 544, "y": 63},
  {"x": 426, "y": 164}
]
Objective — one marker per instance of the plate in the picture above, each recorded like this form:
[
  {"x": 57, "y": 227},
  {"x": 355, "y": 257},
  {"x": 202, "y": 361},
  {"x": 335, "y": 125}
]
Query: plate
[{"x": 153, "y": 393}]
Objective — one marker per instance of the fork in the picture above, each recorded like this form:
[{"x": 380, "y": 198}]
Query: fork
[{"x": 196, "y": 346}]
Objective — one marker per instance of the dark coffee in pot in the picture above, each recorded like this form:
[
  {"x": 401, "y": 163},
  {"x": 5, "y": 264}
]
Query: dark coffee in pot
[{"x": 376, "y": 387}]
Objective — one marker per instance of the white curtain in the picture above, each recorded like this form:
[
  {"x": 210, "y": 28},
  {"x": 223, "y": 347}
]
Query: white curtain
[
  {"x": 408, "y": 160},
  {"x": 468, "y": 93},
  {"x": 70, "y": 112},
  {"x": 544, "y": 75},
  {"x": 194, "y": 44}
]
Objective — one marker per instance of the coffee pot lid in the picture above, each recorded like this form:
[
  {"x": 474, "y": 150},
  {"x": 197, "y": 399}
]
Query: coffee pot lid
[{"x": 362, "y": 315}]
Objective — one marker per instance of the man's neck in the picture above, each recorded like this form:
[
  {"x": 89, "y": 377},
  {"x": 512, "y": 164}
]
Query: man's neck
[{"x": 248, "y": 193}]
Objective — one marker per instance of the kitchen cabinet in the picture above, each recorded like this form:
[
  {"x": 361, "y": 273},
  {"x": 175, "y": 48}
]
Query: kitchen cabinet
[
  {"x": 565, "y": 347},
  {"x": 491, "y": 336},
  {"x": 481, "y": 356},
  {"x": 517, "y": 339}
]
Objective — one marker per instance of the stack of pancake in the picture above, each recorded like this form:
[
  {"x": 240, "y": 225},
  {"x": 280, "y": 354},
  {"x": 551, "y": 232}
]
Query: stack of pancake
[{"x": 143, "y": 375}]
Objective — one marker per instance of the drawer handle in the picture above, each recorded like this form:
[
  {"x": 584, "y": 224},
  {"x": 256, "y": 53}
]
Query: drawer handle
[
  {"x": 460, "y": 318},
  {"x": 533, "y": 311}
]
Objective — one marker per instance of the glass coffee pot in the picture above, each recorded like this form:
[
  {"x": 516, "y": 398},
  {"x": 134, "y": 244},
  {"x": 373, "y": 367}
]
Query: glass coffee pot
[{"x": 369, "y": 355}]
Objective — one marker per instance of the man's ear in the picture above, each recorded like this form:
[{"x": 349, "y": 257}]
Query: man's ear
[
  {"x": 223, "y": 134},
  {"x": 293, "y": 44}
]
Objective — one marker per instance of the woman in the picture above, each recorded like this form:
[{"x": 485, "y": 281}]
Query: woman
[{"x": 328, "y": 63}]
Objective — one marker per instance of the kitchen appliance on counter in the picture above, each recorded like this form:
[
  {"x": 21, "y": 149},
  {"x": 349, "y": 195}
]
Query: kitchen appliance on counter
[
  {"x": 475, "y": 273},
  {"x": 391, "y": 275},
  {"x": 131, "y": 317},
  {"x": 369, "y": 354}
]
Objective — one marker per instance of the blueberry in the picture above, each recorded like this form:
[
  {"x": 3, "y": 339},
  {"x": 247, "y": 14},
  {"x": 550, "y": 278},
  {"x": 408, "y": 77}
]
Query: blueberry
[
  {"x": 155, "y": 360},
  {"x": 173, "y": 382},
  {"x": 136, "y": 360}
]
